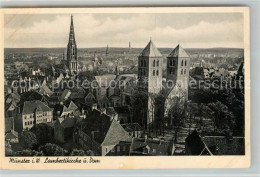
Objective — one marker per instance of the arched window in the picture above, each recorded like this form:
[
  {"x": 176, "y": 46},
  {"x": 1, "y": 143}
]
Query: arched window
[
  {"x": 185, "y": 62},
  {"x": 153, "y": 72},
  {"x": 144, "y": 62},
  {"x": 157, "y": 62},
  {"x": 173, "y": 62},
  {"x": 181, "y": 71},
  {"x": 170, "y": 62},
  {"x": 181, "y": 62},
  {"x": 157, "y": 72},
  {"x": 184, "y": 71},
  {"x": 141, "y": 63},
  {"x": 154, "y": 63}
]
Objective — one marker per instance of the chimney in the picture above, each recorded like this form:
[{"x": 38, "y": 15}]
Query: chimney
[
  {"x": 94, "y": 106},
  {"x": 145, "y": 137},
  {"x": 103, "y": 111}
]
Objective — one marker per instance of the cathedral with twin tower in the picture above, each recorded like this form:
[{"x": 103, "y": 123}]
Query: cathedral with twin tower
[
  {"x": 150, "y": 76},
  {"x": 150, "y": 72}
]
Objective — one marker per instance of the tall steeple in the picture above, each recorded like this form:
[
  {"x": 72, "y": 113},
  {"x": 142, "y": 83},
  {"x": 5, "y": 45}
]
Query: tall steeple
[
  {"x": 129, "y": 47},
  {"x": 72, "y": 59},
  {"x": 72, "y": 34},
  {"x": 107, "y": 50}
]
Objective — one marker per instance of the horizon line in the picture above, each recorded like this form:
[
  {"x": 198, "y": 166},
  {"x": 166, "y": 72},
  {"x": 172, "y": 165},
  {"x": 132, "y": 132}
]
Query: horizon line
[{"x": 119, "y": 47}]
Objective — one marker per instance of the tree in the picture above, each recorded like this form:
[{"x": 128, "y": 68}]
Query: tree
[
  {"x": 27, "y": 139},
  {"x": 176, "y": 115},
  {"x": 8, "y": 149},
  {"x": 43, "y": 132},
  {"x": 52, "y": 150},
  {"x": 139, "y": 100},
  {"x": 28, "y": 152},
  {"x": 77, "y": 152},
  {"x": 223, "y": 119}
]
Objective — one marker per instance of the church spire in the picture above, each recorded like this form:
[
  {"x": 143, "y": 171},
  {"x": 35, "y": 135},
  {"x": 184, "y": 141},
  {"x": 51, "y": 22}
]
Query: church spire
[
  {"x": 72, "y": 59},
  {"x": 72, "y": 34},
  {"x": 107, "y": 50}
]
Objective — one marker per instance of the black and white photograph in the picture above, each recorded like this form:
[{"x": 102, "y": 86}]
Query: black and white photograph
[{"x": 125, "y": 84}]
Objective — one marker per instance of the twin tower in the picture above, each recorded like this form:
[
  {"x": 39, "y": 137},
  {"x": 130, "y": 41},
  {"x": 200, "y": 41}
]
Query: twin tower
[{"x": 150, "y": 75}]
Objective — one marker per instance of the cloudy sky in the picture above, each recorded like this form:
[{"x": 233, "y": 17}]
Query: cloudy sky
[{"x": 197, "y": 30}]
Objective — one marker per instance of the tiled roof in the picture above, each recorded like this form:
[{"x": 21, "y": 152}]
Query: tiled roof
[
  {"x": 157, "y": 147},
  {"x": 9, "y": 124},
  {"x": 104, "y": 81},
  {"x": 150, "y": 51},
  {"x": 179, "y": 52},
  {"x": 30, "y": 106},
  {"x": 45, "y": 89},
  {"x": 10, "y": 135},
  {"x": 68, "y": 122},
  {"x": 132, "y": 127},
  {"x": 115, "y": 134},
  {"x": 225, "y": 146}
]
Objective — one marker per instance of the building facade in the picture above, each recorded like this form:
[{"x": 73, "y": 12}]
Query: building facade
[
  {"x": 178, "y": 67},
  {"x": 31, "y": 113},
  {"x": 150, "y": 76}
]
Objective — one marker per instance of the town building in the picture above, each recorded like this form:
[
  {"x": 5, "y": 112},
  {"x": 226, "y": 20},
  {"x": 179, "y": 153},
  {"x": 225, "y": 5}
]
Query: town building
[
  {"x": 31, "y": 113},
  {"x": 102, "y": 134},
  {"x": 150, "y": 147}
]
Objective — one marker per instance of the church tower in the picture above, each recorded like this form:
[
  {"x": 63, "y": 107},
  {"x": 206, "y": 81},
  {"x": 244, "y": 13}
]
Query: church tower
[
  {"x": 72, "y": 60},
  {"x": 178, "y": 67},
  {"x": 150, "y": 63}
]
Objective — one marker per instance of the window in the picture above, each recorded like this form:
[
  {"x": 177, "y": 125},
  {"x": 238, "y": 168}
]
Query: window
[
  {"x": 184, "y": 71},
  {"x": 25, "y": 123},
  {"x": 141, "y": 63},
  {"x": 144, "y": 63},
  {"x": 171, "y": 71},
  {"x": 185, "y": 62},
  {"x": 153, "y": 72},
  {"x": 158, "y": 62},
  {"x": 170, "y": 62},
  {"x": 157, "y": 72},
  {"x": 173, "y": 62},
  {"x": 181, "y": 72},
  {"x": 118, "y": 148},
  {"x": 181, "y": 62},
  {"x": 154, "y": 63}
]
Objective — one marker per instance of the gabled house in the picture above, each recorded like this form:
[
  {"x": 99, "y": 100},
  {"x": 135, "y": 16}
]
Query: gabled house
[
  {"x": 214, "y": 145},
  {"x": 66, "y": 108},
  {"x": 31, "y": 113},
  {"x": 44, "y": 90},
  {"x": 134, "y": 129},
  {"x": 64, "y": 127},
  {"x": 150, "y": 147},
  {"x": 102, "y": 135}
]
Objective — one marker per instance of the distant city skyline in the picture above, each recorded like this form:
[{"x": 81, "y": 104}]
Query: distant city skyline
[{"x": 200, "y": 30}]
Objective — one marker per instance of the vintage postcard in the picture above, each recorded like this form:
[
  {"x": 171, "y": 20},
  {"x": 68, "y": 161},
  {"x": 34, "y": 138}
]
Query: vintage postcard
[{"x": 125, "y": 88}]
